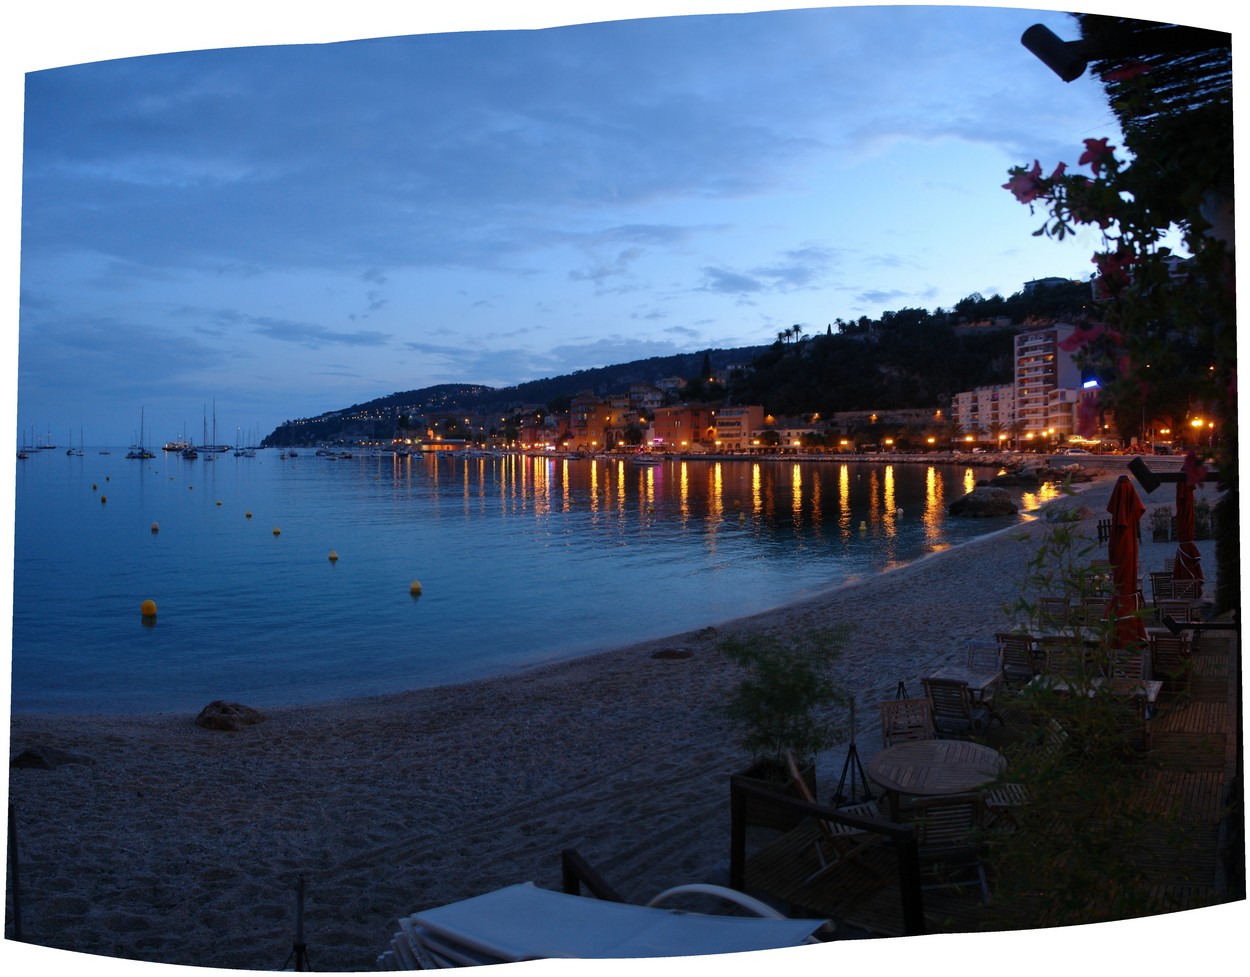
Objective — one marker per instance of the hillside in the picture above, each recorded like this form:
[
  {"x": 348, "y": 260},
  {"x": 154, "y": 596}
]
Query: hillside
[{"x": 909, "y": 358}]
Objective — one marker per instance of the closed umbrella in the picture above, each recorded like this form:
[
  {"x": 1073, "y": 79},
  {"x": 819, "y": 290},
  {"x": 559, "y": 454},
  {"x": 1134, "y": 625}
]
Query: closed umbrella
[
  {"x": 1188, "y": 565},
  {"x": 1126, "y": 511}
]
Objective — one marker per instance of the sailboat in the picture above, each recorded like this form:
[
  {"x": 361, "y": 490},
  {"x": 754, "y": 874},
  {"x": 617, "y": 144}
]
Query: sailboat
[{"x": 139, "y": 451}]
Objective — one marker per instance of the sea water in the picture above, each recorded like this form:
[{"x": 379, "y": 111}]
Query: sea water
[{"x": 520, "y": 560}]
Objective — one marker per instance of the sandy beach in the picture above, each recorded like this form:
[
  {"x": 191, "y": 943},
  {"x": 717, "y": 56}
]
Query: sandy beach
[{"x": 175, "y": 844}]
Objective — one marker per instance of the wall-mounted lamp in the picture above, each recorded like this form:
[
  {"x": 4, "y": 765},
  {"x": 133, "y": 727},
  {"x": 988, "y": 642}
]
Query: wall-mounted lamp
[{"x": 1069, "y": 59}]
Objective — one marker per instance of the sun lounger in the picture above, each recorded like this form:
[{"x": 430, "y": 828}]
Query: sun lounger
[{"x": 524, "y": 922}]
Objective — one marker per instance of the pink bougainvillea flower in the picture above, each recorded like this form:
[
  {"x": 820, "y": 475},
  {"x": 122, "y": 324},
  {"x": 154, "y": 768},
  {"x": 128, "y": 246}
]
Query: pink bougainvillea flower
[
  {"x": 1059, "y": 171},
  {"x": 1113, "y": 270},
  {"x": 1195, "y": 471},
  {"x": 1096, "y": 151},
  {"x": 1087, "y": 416},
  {"x": 1085, "y": 334},
  {"x": 1026, "y": 184},
  {"x": 1128, "y": 72}
]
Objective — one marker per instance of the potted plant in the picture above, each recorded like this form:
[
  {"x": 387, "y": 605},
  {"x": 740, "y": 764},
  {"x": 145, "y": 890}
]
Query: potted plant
[
  {"x": 782, "y": 708},
  {"x": 1202, "y": 519},
  {"x": 1161, "y": 523}
]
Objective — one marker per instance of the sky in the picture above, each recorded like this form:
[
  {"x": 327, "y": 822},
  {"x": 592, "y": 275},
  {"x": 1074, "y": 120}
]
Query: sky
[{"x": 256, "y": 219}]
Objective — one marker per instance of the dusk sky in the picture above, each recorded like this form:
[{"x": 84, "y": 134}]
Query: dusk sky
[{"x": 284, "y": 228}]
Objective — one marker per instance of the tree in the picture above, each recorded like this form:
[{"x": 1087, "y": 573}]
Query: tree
[{"x": 1171, "y": 90}]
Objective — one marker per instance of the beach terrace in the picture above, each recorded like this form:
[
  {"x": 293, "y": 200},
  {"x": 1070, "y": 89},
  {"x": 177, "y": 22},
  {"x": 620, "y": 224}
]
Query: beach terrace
[{"x": 1183, "y": 850}]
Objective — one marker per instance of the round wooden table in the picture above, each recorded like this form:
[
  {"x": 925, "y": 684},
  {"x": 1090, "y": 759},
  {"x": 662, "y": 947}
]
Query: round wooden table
[{"x": 925, "y": 768}]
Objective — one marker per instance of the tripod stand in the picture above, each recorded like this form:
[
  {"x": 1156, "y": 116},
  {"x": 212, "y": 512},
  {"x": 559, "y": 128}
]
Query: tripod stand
[{"x": 851, "y": 768}]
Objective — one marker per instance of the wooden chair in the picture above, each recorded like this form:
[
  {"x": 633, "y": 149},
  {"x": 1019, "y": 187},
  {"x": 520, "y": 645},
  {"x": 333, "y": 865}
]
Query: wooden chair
[
  {"x": 954, "y": 711},
  {"x": 1018, "y": 655},
  {"x": 1064, "y": 657},
  {"x": 906, "y": 719},
  {"x": 836, "y": 843},
  {"x": 1053, "y": 613},
  {"x": 1001, "y": 800},
  {"x": 1161, "y": 586},
  {"x": 1169, "y": 660},
  {"x": 985, "y": 656},
  {"x": 948, "y": 839}
]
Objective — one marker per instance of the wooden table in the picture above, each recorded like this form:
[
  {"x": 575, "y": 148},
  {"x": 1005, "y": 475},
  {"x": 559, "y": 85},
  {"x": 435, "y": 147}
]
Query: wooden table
[
  {"x": 978, "y": 680},
  {"x": 928, "y": 768}
]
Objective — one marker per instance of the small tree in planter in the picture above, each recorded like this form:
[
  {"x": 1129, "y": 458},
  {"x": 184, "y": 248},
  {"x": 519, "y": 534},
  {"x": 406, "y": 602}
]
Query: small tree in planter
[
  {"x": 782, "y": 704},
  {"x": 1161, "y": 523},
  {"x": 1202, "y": 519}
]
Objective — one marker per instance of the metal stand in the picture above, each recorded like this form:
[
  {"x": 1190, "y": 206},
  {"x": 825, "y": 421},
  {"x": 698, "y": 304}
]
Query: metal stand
[
  {"x": 299, "y": 952},
  {"x": 850, "y": 768},
  {"x": 901, "y": 691}
]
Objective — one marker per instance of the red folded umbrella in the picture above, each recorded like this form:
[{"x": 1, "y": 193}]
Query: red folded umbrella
[
  {"x": 1188, "y": 564},
  {"x": 1126, "y": 511}
]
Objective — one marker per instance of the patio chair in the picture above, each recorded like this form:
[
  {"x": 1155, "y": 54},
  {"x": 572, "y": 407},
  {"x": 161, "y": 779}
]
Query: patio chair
[
  {"x": 524, "y": 922},
  {"x": 1053, "y": 613},
  {"x": 837, "y": 843},
  {"x": 1161, "y": 585},
  {"x": 1001, "y": 800},
  {"x": 906, "y": 719},
  {"x": 1018, "y": 655},
  {"x": 986, "y": 656},
  {"x": 954, "y": 712},
  {"x": 1169, "y": 660},
  {"x": 948, "y": 841}
]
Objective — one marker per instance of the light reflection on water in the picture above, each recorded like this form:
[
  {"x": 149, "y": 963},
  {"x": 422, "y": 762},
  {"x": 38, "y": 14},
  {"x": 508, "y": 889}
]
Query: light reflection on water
[{"x": 521, "y": 560}]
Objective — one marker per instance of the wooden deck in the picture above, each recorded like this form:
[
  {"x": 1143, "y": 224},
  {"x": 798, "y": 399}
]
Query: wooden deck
[{"x": 1193, "y": 777}]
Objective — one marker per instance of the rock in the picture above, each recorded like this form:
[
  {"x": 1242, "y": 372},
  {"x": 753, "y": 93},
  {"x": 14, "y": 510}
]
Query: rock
[
  {"x": 46, "y": 758},
  {"x": 227, "y": 715},
  {"x": 984, "y": 502}
]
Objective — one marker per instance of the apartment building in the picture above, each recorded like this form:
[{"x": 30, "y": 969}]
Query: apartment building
[
  {"x": 1047, "y": 382},
  {"x": 736, "y": 427},
  {"x": 681, "y": 427}
]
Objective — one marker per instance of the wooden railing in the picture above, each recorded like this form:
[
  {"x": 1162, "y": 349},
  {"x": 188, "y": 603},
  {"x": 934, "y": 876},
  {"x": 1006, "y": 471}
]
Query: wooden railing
[{"x": 900, "y": 837}]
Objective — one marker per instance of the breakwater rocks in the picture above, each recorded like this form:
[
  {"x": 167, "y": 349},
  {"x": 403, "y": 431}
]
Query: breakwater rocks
[{"x": 1039, "y": 470}]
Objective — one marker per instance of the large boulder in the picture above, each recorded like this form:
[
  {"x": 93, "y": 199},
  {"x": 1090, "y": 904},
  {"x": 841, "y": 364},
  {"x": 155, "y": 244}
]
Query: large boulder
[
  {"x": 985, "y": 501},
  {"x": 46, "y": 758},
  {"x": 227, "y": 715}
]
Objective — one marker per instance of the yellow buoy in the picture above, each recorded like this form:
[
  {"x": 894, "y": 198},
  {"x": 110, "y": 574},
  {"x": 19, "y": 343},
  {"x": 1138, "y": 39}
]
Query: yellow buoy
[
  {"x": 156, "y": 528},
  {"x": 863, "y": 526},
  {"x": 414, "y": 588},
  {"x": 247, "y": 515},
  {"x": 148, "y": 608},
  {"x": 277, "y": 531},
  {"x": 333, "y": 556},
  {"x": 104, "y": 498}
]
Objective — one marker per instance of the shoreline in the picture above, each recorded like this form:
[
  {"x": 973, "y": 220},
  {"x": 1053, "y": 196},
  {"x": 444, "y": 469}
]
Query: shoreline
[{"x": 172, "y": 835}]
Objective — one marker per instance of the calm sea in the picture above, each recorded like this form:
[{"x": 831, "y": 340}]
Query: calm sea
[{"x": 521, "y": 561}]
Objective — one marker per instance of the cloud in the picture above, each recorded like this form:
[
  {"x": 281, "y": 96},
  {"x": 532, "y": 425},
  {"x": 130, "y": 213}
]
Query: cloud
[{"x": 314, "y": 336}]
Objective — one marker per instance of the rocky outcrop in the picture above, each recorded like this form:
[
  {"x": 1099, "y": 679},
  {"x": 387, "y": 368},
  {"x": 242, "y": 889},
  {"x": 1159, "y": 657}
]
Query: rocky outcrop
[
  {"x": 47, "y": 758},
  {"x": 985, "y": 501},
  {"x": 228, "y": 716}
]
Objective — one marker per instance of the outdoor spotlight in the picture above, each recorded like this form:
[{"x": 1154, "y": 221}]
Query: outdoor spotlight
[{"x": 1065, "y": 58}]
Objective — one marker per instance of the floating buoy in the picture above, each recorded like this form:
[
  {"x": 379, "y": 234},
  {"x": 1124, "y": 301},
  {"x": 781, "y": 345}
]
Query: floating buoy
[
  {"x": 104, "y": 498},
  {"x": 414, "y": 588},
  {"x": 190, "y": 486},
  {"x": 334, "y": 557},
  {"x": 93, "y": 486},
  {"x": 156, "y": 527},
  {"x": 219, "y": 501},
  {"x": 898, "y": 511},
  {"x": 247, "y": 515},
  {"x": 742, "y": 517},
  {"x": 863, "y": 526},
  {"x": 148, "y": 608},
  {"x": 277, "y": 531}
]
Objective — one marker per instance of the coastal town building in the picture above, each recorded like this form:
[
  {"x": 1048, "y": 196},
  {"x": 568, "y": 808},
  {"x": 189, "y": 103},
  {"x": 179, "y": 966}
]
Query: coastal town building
[
  {"x": 684, "y": 426},
  {"x": 738, "y": 427}
]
